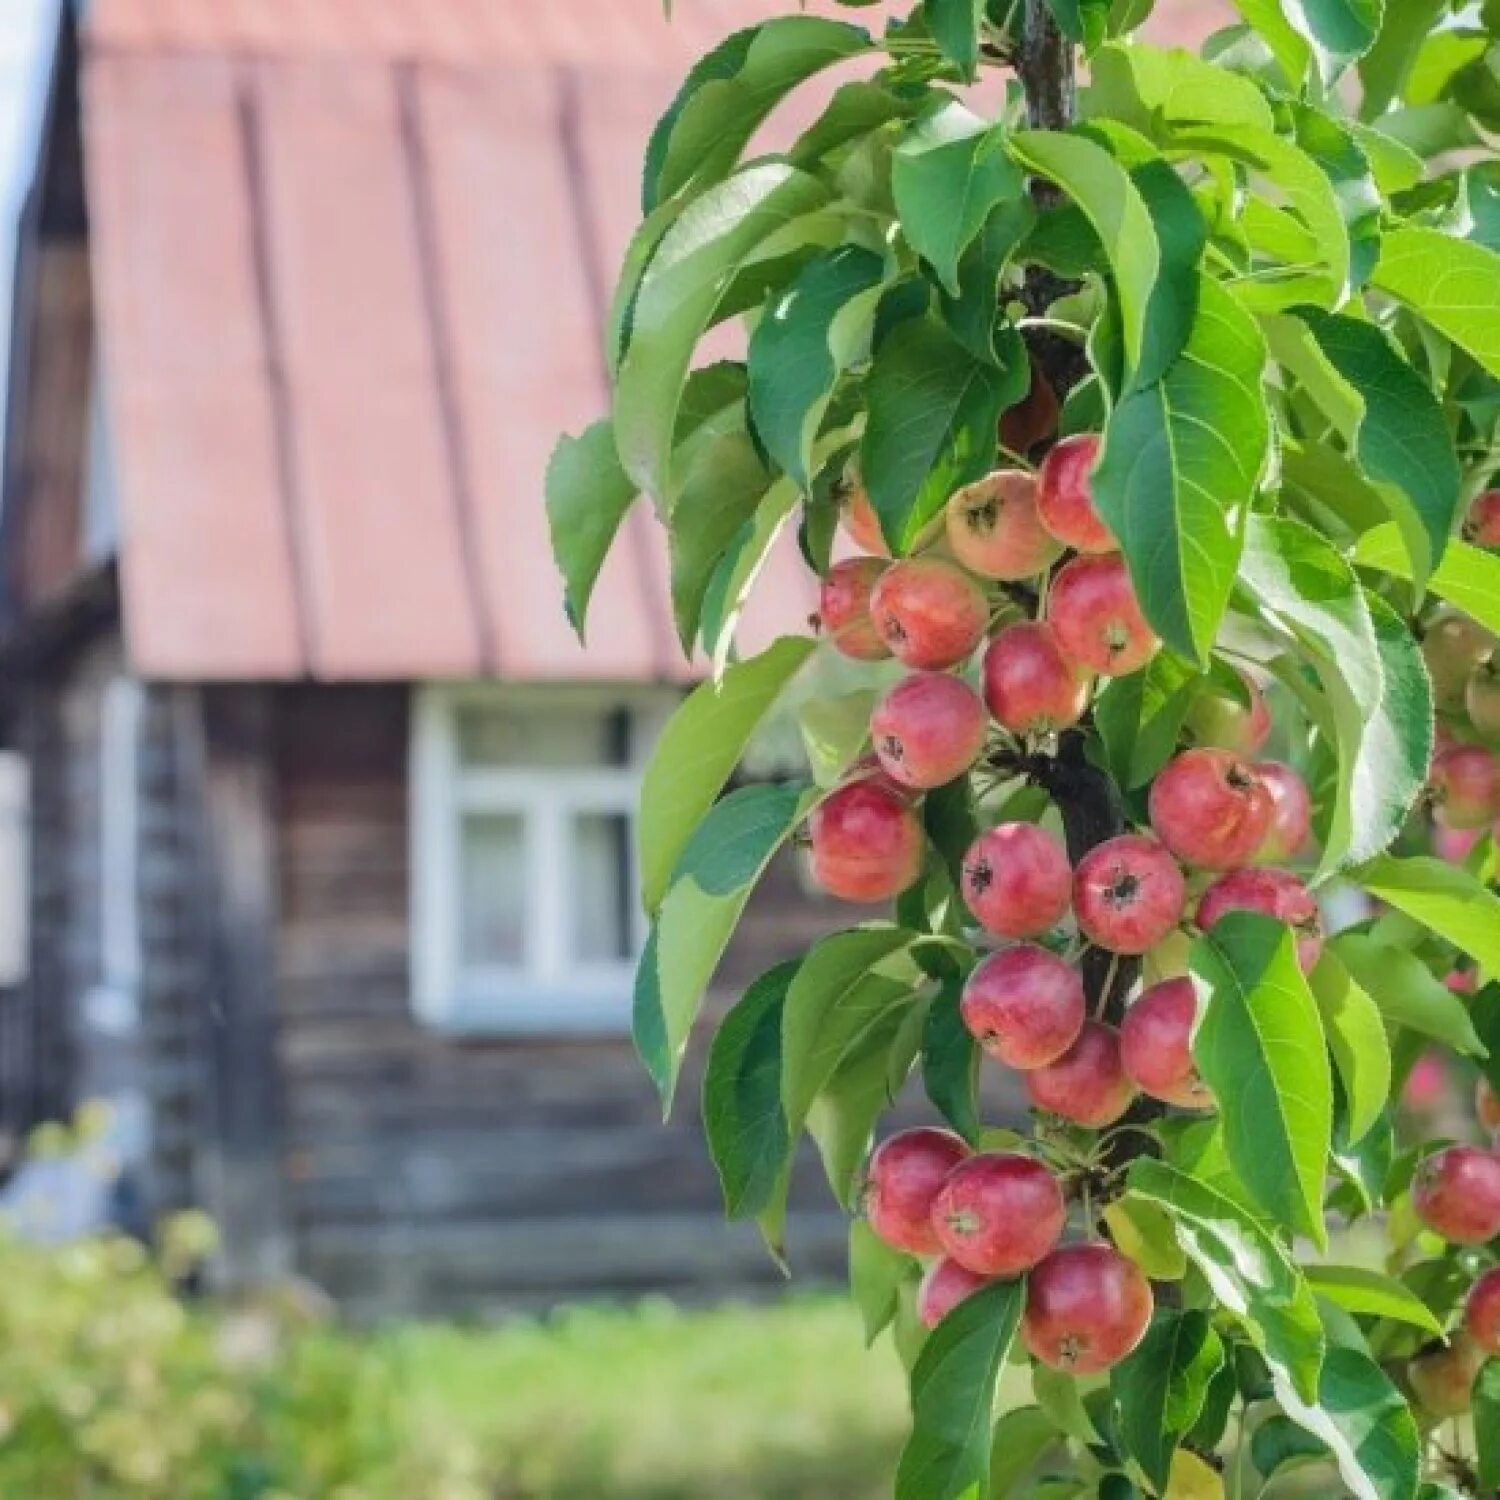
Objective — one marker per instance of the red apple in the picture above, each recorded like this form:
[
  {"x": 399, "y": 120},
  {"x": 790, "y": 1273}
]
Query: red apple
[
  {"x": 1087, "y": 1084},
  {"x": 1030, "y": 685},
  {"x": 1024, "y": 1005},
  {"x": 902, "y": 1183},
  {"x": 1211, "y": 809},
  {"x": 1093, "y": 608},
  {"x": 994, "y": 531},
  {"x": 1291, "y": 813},
  {"x": 1016, "y": 880},
  {"x": 1465, "y": 787},
  {"x": 945, "y": 1285},
  {"x": 1487, "y": 1106},
  {"x": 1456, "y": 1194},
  {"x": 1156, "y": 1049},
  {"x": 844, "y": 608},
  {"x": 1128, "y": 894},
  {"x": 1482, "y": 524},
  {"x": 929, "y": 612},
  {"x": 1087, "y": 1308},
  {"x": 999, "y": 1214},
  {"x": 1273, "y": 893},
  {"x": 867, "y": 843},
  {"x": 928, "y": 729},
  {"x": 1065, "y": 496},
  {"x": 1482, "y": 1312},
  {"x": 862, "y": 524},
  {"x": 1032, "y": 420}
]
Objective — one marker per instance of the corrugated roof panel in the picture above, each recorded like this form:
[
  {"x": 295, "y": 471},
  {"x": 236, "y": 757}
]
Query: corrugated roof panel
[
  {"x": 205, "y": 557},
  {"x": 378, "y": 527}
]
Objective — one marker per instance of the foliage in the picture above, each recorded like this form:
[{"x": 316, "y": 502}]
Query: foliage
[{"x": 1266, "y": 281}]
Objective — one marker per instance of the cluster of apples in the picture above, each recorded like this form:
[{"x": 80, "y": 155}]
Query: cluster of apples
[
  {"x": 980, "y": 1217},
  {"x": 1213, "y": 809}
]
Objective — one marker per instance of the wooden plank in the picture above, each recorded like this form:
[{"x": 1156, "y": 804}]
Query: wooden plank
[{"x": 242, "y": 1157}]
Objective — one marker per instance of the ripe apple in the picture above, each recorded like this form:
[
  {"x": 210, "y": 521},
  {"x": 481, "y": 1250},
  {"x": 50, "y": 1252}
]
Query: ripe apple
[
  {"x": 1093, "y": 608},
  {"x": 1128, "y": 894},
  {"x": 1030, "y": 684},
  {"x": 867, "y": 843},
  {"x": 1482, "y": 524},
  {"x": 1456, "y": 1194},
  {"x": 1487, "y": 1106},
  {"x": 1087, "y": 1307},
  {"x": 1216, "y": 719},
  {"x": 1087, "y": 1084},
  {"x": 1211, "y": 809},
  {"x": 928, "y": 729},
  {"x": 861, "y": 524},
  {"x": 1065, "y": 496},
  {"x": 994, "y": 531},
  {"x": 998, "y": 1214},
  {"x": 1482, "y": 1312},
  {"x": 1016, "y": 880},
  {"x": 929, "y": 612},
  {"x": 1024, "y": 1006},
  {"x": 1291, "y": 813},
  {"x": 1034, "y": 419},
  {"x": 844, "y": 608},
  {"x": 902, "y": 1183},
  {"x": 1273, "y": 893},
  {"x": 1464, "y": 784},
  {"x": 945, "y": 1285},
  {"x": 1156, "y": 1045}
]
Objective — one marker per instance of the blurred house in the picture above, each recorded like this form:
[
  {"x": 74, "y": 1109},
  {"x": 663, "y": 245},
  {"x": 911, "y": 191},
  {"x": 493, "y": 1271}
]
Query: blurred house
[{"x": 329, "y": 883}]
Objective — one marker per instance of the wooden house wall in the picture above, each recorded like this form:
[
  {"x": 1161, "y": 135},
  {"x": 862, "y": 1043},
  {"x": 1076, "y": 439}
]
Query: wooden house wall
[{"x": 440, "y": 1174}]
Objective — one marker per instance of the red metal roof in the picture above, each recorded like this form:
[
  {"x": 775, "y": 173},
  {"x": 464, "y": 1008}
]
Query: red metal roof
[{"x": 351, "y": 260}]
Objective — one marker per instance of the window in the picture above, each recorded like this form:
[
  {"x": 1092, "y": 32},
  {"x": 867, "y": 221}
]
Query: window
[{"x": 524, "y": 908}]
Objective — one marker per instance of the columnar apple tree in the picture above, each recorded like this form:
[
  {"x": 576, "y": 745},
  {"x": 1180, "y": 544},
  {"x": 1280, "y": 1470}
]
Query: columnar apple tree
[{"x": 1140, "y": 432}]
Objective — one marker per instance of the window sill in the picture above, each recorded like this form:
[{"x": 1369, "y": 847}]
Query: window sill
[{"x": 559, "y": 1018}]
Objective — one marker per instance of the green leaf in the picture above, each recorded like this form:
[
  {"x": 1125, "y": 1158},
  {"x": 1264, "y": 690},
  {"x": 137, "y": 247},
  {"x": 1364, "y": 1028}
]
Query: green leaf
[
  {"x": 1279, "y": 1441},
  {"x": 1022, "y": 1438},
  {"x": 1454, "y": 284},
  {"x": 876, "y": 1274},
  {"x": 950, "y": 1063},
  {"x": 1357, "y": 1039},
  {"x": 709, "y": 889},
  {"x": 948, "y": 174},
  {"x": 1082, "y": 22},
  {"x": 1467, "y": 577},
  {"x": 1288, "y": 43},
  {"x": 588, "y": 494},
  {"x": 834, "y": 731},
  {"x": 1370, "y": 1294},
  {"x": 742, "y": 1117},
  {"x": 1245, "y": 1267},
  {"x": 730, "y": 91},
  {"x": 953, "y": 1391},
  {"x": 1306, "y": 590},
  {"x": 1142, "y": 1232},
  {"x": 974, "y": 314},
  {"x": 1259, "y": 1045},
  {"x": 1365, "y": 1423},
  {"x": 954, "y": 25},
  {"x": 1385, "y": 68},
  {"x": 933, "y": 411},
  {"x": 1181, "y": 461},
  {"x": 1140, "y": 717},
  {"x": 847, "y": 984},
  {"x": 1103, "y": 189},
  {"x": 1487, "y": 1424},
  {"x": 762, "y": 212},
  {"x": 1159, "y": 1390},
  {"x": 1406, "y": 992},
  {"x": 1391, "y": 420},
  {"x": 697, "y": 752},
  {"x": 1443, "y": 897},
  {"x": 809, "y": 335},
  {"x": 1149, "y": 87},
  {"x": 1336, "y": 31}
]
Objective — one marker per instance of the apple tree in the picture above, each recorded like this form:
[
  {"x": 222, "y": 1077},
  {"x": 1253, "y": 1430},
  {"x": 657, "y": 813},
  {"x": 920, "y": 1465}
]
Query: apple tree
[{"x": 1139, "y": 433}]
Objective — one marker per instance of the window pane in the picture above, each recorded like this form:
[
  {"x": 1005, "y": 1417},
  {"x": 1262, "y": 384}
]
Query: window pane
[
  {"x": 600, "y": 898},
  {"x": 492, "y": 891},
  {"x": 552, "y": 736}
]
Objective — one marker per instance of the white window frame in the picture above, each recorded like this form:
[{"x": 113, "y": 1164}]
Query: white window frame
[{"x": 549, "y": 992}]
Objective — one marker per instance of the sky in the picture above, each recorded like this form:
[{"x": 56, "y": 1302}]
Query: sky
[{"x": 25, "y": 32}]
